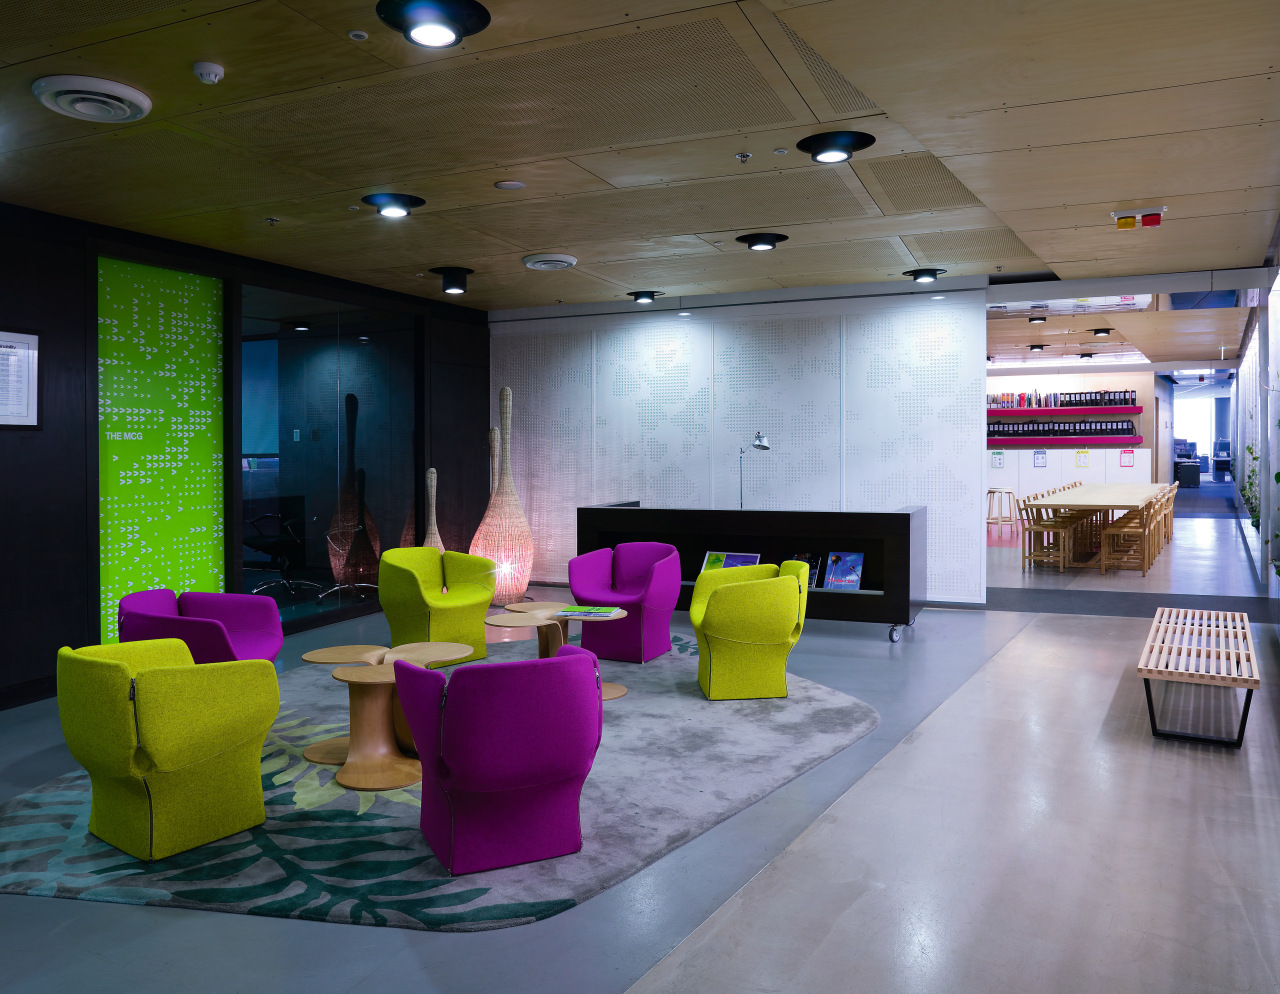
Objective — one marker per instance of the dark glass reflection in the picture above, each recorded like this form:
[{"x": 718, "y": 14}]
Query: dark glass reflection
[{"x": 327, "y": 429}]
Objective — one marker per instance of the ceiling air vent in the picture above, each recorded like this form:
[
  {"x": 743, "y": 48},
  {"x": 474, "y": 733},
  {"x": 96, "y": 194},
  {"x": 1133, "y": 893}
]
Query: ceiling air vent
[
  {"x": 550, "y": 260},
  {"x": 85, "y": 98}
]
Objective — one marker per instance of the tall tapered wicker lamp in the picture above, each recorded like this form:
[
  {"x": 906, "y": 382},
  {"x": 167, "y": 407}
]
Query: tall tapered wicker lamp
[
  {"x": 495, "y": 448},
  {"x": 433, "y": 533},
  {"x": 504, "y": 535}
]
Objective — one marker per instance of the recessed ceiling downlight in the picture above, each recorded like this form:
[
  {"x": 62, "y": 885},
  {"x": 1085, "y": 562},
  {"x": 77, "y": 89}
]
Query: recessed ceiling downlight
[
  {"x": 103, "y": 101},
  {"x": 835, "y": 146},
  {"x": 434, "y": 23},
  {"x": 549, "y": 261}
]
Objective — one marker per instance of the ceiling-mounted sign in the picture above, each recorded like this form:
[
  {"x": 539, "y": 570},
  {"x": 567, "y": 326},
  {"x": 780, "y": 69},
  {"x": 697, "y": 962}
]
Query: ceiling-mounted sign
[
  {"x": 1082, "y": 458},
  {"x": 997, "y": 459},
  {"x": 19, "y": 380},
  {"x": 1040, "y": 459},
  {"x": 1126, "y": 458}
]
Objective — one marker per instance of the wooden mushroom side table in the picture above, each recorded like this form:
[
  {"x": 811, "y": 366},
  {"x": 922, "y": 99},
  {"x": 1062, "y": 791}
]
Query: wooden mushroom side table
[
  {"x": 548, "y": 608},
  {"x": 374, "y": 760},
  {"x": 609, "y": 691},
  {"x": 550, "y": 635}
]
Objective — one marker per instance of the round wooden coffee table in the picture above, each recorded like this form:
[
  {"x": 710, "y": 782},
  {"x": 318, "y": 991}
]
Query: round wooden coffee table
[
  {"x": 333, "y": 752},
  {"x": 374, "y": 760},
  {"x": 553, "y": 632}
]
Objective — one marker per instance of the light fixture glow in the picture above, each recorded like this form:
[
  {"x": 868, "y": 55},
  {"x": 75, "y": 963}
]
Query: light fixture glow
[
  {"x": 453, "y": 279},
  {"x": 644, "y": 296},
  {"x": 393, "y": 204},
  {"x": 938, "y": 296},
  {"x": 1038, "y": 319},
  {"x": 761, "y": 241},
  {"x": 1035, "y": 348},
  {"x": 926, "y": 275},
  {"x": 685, "y": 314},
  {"x": 1101, "y": 332},
  {"x": 300, "y": 327},
  {"x": 434, "y": 23},
  {"x": 835, "y": 146}
]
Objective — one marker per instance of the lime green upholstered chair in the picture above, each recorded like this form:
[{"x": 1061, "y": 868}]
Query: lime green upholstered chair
[
  {"x": 173, "y": 750},
  {"x": 747, "y": 619},
  {"x": 430, "y": 596}
]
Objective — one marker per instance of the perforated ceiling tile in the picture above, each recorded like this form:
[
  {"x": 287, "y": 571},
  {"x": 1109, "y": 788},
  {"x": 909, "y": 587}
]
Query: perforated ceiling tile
[
  {"x": 844, "y": 97},
  {"x": 141, "y": 172},
  {"x": 26, "y": 22},
  {"x": 633, "y": 87},
  {"x": 791, "y": 197},
  {"x": 865, "y": 254},
  {"x": 973, "y": 245},
  {"x": 915, "y": 182}
]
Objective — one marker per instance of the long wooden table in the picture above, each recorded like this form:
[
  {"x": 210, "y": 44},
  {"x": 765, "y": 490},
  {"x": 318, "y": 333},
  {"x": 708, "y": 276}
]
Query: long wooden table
[
  {"x": 1100, "y": 497},
  {"x": 1094, "y": 497}
]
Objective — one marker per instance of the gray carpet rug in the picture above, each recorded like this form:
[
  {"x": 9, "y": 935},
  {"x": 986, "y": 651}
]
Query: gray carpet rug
[{"x": 671, "y": 765}]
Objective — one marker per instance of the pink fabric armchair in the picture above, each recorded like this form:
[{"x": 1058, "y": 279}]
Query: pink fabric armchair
[
  {"x": 641, "y": 577},
  {"x": 504, "y": 756},
  {"x": 216, "y": 627}
]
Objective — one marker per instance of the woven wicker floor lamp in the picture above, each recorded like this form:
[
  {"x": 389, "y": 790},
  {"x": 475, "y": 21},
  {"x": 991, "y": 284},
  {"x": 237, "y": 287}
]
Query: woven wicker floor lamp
[{"x": 504, "y": 534}]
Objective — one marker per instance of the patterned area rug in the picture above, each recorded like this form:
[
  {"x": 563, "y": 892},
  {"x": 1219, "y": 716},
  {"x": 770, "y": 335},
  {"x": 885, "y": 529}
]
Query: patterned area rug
[{"x": 671, "y": 766}]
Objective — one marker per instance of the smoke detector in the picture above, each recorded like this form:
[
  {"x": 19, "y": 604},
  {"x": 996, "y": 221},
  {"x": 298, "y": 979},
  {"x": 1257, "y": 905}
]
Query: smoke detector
[
  {"x": 549, "y": 261},
  {"x": 103, "y": 101},
  {"x": 208, "y": 72}
]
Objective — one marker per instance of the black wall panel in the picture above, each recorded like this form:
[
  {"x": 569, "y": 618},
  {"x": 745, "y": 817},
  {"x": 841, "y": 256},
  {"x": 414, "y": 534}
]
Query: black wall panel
[{"x": 459, "y": 427}]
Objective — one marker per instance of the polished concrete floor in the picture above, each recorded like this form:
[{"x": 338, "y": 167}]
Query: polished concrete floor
[
  {"x": 600, "y": 947},
  {"x": 1030, "y": 835}
]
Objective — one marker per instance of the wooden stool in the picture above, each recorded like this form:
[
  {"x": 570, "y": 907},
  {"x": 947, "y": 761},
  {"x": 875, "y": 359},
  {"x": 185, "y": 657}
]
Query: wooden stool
[{"x": 996, "y": 504}]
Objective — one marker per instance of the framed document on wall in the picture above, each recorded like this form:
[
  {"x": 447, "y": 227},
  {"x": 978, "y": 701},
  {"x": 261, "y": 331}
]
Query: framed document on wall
[{"x": 19, "y": 380}]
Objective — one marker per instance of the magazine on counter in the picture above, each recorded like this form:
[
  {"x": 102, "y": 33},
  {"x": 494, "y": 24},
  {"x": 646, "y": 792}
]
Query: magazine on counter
[
  {"x": 844, "y": 571},
  {"x": 727, "y": 560},
  {"x": 814, "y": 559}
]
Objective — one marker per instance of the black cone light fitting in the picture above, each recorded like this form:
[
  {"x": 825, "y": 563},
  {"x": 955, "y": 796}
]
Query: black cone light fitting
[
  {"x": 1100, "y": 332},
  {"x": 453, "y": 278},
  {"x": 924, "y": 275},
  {"x": 761, "y": 241},
  {"x": 644, "y": 296},
  {"x": 1037, "y": 319},
  {"x": 393, "y": 204},
  {"x": 434, "y": 23},
  {"x": 1035, "y": 348},
  {"x": 835, "y": 146}
]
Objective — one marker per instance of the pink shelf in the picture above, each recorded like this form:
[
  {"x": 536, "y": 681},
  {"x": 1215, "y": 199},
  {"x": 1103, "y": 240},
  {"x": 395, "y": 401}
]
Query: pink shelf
[
  {"x": 1035, "y": 412},
  {"x": 1087, "y": 441}
]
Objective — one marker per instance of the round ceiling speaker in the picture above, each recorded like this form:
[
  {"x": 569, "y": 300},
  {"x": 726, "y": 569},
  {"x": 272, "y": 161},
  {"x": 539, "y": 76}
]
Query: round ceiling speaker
[
  {"x": 85, "y": 98},
  {"x": 545, "y": 261}
]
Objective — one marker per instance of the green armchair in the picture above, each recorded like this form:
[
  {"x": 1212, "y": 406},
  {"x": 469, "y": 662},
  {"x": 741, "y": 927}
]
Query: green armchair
[
  {"x": 173, "y": 750},
  {"x": 430, "y": 596},
  {"x": 747, "y": 619}
]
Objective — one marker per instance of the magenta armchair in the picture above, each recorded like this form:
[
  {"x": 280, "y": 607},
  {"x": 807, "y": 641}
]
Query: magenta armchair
[
  {"x": 216, "y": 627},
  {"x": 641, "y": 577},
  {"x": 504, "y": 756}
]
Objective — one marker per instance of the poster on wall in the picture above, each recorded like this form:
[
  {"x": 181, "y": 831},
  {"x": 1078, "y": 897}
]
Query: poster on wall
[
  {"x": 1126, "y": 458},
  {"x": 997, "y": 459},
  {"x": 1040, "y": 459},
  {"x": 19, "y": 380},
  {"x": 1082, "y": 458}
]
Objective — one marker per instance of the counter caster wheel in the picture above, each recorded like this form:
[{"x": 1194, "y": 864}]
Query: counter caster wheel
[
  {"x": 894, "y": 634},
  {"x": 911, "y": 623}
]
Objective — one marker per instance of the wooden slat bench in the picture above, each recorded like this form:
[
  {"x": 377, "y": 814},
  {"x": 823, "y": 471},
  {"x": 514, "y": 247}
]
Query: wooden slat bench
[{"x": 1213, "y": 647}]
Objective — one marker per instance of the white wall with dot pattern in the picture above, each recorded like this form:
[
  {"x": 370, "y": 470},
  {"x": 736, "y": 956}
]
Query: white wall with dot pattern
[{"x": 869, "y": 404}]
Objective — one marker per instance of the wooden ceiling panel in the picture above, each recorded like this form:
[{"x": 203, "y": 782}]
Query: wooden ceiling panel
[
  {"x": 515, "y": 22},
  {"x": 40, "y": 28},
  {"x": 1168, "y": 110},
  {"x": 1159, "y": 336},
  {"x": 627, "y": 87},
  {"x": 1152, "y": 167},
  {"x": 707, "y": 157},
  {"x": 264, "y": 45},
  {"x": 1264, "y": 198},
  {"x": 924, "y": 62},
  {"x": 503, "y": 290},
  {"x": 743, "y": 264},
  {"x": 824, "y": 232},
  {"x": 969, "y": 245},
  {"x": 1224, "y": 241},
  {"x": 902, "y": 184},
  {"x": 128, "y": 175},
  {"x": 793, "y": 196}
]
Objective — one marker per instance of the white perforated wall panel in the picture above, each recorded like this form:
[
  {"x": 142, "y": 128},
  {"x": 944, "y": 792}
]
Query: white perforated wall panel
[{"x": 869, "y": 404}]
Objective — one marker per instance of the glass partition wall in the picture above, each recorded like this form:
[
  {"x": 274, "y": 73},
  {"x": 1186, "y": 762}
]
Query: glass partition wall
[{"x": 328, "y": 463}]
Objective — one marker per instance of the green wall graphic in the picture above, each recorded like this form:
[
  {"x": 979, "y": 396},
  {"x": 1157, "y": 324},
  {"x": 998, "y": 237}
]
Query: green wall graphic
[{"x": 160, "y": 445}]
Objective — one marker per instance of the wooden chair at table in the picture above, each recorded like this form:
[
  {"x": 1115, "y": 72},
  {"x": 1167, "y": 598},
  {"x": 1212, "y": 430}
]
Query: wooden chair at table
[
  {"x": 1168, "y": 513},
  {"x": 1127, "y": 541},
  {"x": 1046, "y": 538}
]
